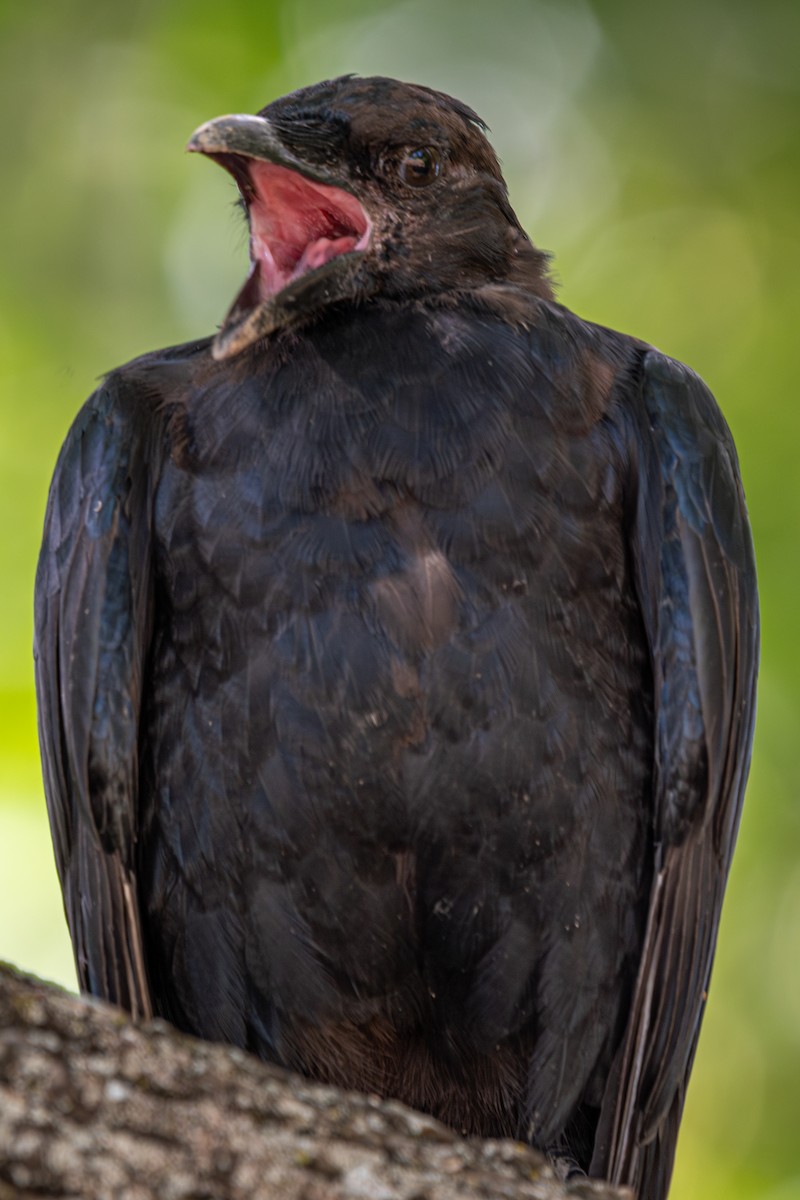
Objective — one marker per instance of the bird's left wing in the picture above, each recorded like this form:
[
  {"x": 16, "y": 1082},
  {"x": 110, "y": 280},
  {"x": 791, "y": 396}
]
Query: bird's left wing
[
  {"x": 693, "y": 560},
  {"x": 92, "y": 623}
]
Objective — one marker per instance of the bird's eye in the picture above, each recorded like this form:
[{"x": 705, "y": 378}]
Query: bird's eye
[{"x": 418, "y": 167}]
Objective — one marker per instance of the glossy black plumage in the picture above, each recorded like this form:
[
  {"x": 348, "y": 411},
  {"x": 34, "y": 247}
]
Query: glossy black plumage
[{"x": 396, "y": 669}]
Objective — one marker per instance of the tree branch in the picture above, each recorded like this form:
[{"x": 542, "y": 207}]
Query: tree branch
[{"x": 92, "y": 1106}]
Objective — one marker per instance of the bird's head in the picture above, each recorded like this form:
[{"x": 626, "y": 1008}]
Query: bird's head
[{"x": 359, "y": 187}]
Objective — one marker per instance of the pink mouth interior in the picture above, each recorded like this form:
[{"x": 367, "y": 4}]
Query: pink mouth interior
[{"x": 297, "y": 225}]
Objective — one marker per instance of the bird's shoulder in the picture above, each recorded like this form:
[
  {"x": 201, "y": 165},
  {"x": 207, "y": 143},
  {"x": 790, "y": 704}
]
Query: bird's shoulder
[{"x": 129, "y": 402}]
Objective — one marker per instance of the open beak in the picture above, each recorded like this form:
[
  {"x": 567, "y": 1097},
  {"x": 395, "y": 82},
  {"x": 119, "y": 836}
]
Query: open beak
[{"x": 308, "y": 233}]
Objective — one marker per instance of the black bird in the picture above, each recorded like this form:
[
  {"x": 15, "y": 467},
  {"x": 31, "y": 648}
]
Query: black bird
[{"x": 396, "y": 656}]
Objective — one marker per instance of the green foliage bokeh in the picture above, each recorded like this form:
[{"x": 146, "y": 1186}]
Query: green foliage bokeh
[{"x": 654, "y": 150}]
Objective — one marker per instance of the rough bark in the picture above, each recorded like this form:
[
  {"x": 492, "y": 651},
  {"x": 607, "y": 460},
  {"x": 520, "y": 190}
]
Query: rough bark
[{"x": 93, "y": 1106}]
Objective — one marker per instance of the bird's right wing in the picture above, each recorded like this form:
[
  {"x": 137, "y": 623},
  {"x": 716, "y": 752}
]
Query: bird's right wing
[{"x": 92, "y": 627}]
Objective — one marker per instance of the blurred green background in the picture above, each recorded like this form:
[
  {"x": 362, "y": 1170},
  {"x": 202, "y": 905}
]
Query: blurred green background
[{"x": 655, "y": 150}]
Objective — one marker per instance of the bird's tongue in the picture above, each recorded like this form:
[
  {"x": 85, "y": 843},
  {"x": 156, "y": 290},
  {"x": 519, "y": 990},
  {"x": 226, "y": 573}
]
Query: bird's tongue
[
  {"x": 322, "y": 251},
  {"x": 297, "y": 225}
]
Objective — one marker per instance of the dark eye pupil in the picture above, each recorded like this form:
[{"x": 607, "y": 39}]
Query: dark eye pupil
[{"x": 419, "y": 167}]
